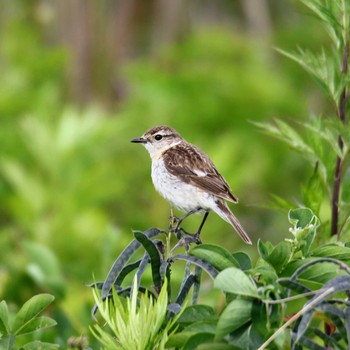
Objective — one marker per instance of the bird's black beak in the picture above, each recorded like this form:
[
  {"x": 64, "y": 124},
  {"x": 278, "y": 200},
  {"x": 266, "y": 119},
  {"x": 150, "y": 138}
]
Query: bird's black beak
[{"x": 139, "y": 140}]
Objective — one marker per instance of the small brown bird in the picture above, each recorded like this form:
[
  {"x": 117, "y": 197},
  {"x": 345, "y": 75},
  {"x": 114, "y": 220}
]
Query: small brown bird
[{"x": 187, "y": 178}]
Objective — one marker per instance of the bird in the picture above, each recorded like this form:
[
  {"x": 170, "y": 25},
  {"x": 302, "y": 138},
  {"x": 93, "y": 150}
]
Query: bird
[{"x": 186, "y": 177}]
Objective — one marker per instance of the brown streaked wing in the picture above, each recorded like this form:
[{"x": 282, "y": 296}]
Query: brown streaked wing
[{"x": 184, "y": 159}]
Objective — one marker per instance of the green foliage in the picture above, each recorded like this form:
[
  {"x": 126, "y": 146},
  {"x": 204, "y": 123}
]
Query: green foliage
[
  {"x": 26, "y": 321},
  {"x": 326, "y": 144},
  {"x": 139, "y": 323}
]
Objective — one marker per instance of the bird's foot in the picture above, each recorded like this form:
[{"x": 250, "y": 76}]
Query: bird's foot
[{"x": 186, "y": 239}]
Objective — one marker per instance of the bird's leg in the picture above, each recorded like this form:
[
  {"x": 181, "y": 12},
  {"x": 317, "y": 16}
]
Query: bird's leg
[
  {"x": 182, "y": 218},
  {"x": 196, "y": 236}
]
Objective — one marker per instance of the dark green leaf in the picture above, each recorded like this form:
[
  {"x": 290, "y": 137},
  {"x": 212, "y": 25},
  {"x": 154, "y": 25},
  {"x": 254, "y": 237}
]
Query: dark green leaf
[
  {"x": 236, "y": 314},
  {"x": 218, "y": 346},
  {"x": 154, "y": 256},
  {"x": 185, "y": 288},
  {"x": 122, "y": 260},
  {"x": 293, "y": 285},
  {"x": 243, "y": 260},
  {"x": 178, "y": 340},
  {"x": 264, "y": 249},
  {"x": 279, "y": 256},
  {"x": 30, "y": 310},
  {"x": 199, "y": 262},
  {"x": 332, "y": 251},
  {"x": 235, "y": 281},
  {"x": 215, "y": 255},
  {"x": 196, "y": 313},
  {"x": 313, "y": 193},
  {"x": 202, "y": 327},
  {"x": 347, "y": 323},
  {"x": 195, "y": 340},
  {"x": 126, "y": 270}
]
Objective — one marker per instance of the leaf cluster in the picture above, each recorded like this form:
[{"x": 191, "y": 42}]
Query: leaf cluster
[{"x": 26, "y": 321}]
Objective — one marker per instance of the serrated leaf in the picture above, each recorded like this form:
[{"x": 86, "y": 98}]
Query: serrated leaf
[
  {"x": 236, "y": 314},
  {"x": 215, "y": 255},
  {"x": 32, "y": 308},
  {"x": 235, "y": 281}
]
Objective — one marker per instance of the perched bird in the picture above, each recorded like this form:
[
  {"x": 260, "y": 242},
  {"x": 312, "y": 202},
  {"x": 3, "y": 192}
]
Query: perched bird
[{"x": 187, "y": 178}]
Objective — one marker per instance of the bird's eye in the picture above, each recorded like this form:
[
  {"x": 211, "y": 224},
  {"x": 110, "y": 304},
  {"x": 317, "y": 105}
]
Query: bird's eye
[{"x": 158, "y": 137}]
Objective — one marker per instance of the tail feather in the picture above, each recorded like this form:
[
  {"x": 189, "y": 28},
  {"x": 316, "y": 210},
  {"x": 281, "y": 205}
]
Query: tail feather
[{"x": 224, "y": 212}]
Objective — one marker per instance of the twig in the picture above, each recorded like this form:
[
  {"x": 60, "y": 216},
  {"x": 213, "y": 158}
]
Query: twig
[
  {"x": 305, "y": 309},
  {"x": 339, "y": 162}
]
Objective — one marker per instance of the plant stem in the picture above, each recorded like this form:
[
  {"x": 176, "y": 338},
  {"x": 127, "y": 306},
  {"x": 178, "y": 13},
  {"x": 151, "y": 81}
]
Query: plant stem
[{"x": 339, "y": 162}]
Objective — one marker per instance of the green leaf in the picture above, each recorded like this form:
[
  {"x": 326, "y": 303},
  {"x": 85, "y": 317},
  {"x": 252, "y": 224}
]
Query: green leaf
[
  {"x": 198, "y": 262},
  {"x": 313, "y": 193},
  {"x": 178, "y": 340},
  {"x": 185, "y": 288},
  {"x": 30, "y": 310},
  {"x": 304, "y": 221},
  {"x": 280, "y": 256},
  {"x": 264, "y": 249},
  {"x": 234, "y": 280},
  {"x": 243, "y": 259},
  {"x": 122, "y": 260},
  {"x": 38, "y": 345},
  {"x": 215, "y": 255},
  {"x": 38, "y": 323},
  {"x": 332, "y": 250},
  {"x": 236, "y": 314},
  {"x": 44, "y": 267},
  {"x": 4, "y": 322},
  {"x": 196, "y": 313},
  {"x": 195, "y": 340},
  {"x": 7, "y": 342},
  {"x": 154, "y": 256},
  {"x": 202, "y": 327},
  {"x": 218, "y": 346}
]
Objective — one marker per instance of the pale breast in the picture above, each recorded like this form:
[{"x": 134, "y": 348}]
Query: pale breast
[{"x": 181, "y": 195}]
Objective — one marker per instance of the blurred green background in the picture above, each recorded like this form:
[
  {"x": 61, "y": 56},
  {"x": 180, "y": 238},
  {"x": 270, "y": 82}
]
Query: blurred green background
[{"x": 79, "y": 79}]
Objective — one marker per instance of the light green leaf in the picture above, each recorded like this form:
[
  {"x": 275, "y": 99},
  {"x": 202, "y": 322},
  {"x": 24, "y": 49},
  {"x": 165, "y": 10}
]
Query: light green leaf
[
  {"x": 236, "y": 314},
  {"x": 332, "y": 250},
  {"x": 4, "y": 322},
  {"x": 38, "y": 323},
  {"x": 304, "y": 221},
  {"x": 30, "y": 310},
  {"x": 234, "y": 280},
  {"x": 215, "y": 255},
  {"x": 38, "y": 345}
]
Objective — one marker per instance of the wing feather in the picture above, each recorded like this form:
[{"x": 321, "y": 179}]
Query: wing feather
[{"x": 194, "y": 167}]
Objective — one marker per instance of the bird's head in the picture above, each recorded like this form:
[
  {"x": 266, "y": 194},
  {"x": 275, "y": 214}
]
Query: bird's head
[{"x": 159, "y": 139}]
